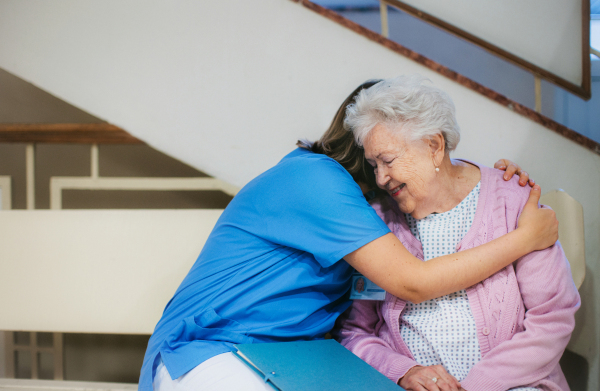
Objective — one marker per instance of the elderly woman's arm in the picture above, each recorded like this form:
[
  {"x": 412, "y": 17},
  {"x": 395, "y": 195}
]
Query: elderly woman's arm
[
  {"x": 362, "y": 330},
  {"x": 551, "y": 300},
  {"x": 387, "y": 263},
  {"x": 356, "y": 330}
]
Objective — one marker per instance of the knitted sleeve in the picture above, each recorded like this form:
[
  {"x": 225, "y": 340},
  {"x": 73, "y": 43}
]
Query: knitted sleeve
[
  {"x": 363, "y": 331},
  {"x": 550, "y": 299}
]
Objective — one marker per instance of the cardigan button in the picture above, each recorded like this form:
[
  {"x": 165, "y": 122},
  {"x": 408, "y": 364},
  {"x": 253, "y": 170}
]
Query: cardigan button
[{"x": 485, "y": 331}]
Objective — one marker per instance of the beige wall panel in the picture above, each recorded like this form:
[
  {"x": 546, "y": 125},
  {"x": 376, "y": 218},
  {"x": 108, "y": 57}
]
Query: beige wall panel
[
  {"x": 5, "y": 192},
  {"x": 95, "y": 271},
  {"x": 570, "y": 217}
]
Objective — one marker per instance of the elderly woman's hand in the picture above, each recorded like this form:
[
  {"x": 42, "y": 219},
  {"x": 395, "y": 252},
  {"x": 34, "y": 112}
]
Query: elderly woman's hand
[
  {"x": 432, "y": 378},
  {"x": 538, "y": 225},
  {"x": 512, "y": 169}
]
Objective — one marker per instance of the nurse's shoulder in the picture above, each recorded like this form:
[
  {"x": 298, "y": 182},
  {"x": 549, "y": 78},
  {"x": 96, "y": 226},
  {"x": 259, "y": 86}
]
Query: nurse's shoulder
[{"x": 300, "y": 173}]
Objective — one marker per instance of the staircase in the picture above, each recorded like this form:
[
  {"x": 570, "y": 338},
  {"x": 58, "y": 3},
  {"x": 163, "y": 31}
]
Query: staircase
[{"x": 228, "y": 87}]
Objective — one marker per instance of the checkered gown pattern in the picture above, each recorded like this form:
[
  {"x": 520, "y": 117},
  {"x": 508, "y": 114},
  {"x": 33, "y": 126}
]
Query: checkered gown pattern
[{"x": 442, "y": 331}]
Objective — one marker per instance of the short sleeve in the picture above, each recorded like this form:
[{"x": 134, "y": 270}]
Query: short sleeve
[{"x": 310, "y": 203}]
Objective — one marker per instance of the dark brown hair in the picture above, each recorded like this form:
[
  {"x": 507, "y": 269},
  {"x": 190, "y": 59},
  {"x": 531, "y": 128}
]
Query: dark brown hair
[{"x": 339, "y": 144}]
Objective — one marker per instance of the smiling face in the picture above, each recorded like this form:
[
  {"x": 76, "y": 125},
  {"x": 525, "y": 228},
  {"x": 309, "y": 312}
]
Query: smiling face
[{"x": 405, "y": 169}]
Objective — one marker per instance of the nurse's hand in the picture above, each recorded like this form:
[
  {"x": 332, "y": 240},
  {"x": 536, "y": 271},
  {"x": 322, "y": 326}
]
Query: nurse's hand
[
  {"x": 431, "y": 378},
  {"x": 512, "y": 169},
  {"x": 538, "y": 225}
]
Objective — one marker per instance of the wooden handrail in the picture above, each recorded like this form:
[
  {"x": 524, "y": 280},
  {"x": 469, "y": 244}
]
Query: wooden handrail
[
  {"x": 90, "y": 133},
  {"x": 455, "y": 76},
  {"x": 584, "y": 90}
]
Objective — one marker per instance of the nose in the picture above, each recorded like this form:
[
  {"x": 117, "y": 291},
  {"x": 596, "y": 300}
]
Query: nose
[{"x": 381, "y": 176}]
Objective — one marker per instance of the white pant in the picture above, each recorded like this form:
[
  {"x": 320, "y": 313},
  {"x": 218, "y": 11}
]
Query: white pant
[{"x": 224, "y": 372}]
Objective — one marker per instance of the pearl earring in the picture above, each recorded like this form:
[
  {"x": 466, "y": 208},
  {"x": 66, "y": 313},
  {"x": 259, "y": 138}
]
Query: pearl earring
[{"x": 437, "y": 169}]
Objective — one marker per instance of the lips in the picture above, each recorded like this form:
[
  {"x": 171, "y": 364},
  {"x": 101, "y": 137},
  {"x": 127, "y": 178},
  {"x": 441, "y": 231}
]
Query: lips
[{"x": 396, "y": 190}]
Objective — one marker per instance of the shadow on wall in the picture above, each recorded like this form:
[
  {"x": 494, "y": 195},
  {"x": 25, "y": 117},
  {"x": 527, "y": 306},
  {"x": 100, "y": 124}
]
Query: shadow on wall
[
  {"x": 116, "y": 358},
  {"x": 576, "y": 370}
]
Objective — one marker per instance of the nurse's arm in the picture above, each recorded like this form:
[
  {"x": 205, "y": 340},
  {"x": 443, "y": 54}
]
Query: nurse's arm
[{"x": 387, "y": 263}]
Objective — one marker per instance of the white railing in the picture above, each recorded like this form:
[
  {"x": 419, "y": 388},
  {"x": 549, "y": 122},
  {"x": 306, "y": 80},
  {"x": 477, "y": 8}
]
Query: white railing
[
  {"x": 5, "y": 193},
  {"x": 95, "y": 182},
  {"x": 49, "y": 287}
]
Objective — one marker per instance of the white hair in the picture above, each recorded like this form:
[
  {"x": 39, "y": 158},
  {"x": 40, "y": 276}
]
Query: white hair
[{"x": 404, "y": 105}]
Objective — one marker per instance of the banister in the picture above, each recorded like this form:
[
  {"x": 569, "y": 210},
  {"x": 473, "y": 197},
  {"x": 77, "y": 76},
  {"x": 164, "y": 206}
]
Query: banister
[
  {"x": 84, "y": 133},
  {"x": 454, "y": 76}
]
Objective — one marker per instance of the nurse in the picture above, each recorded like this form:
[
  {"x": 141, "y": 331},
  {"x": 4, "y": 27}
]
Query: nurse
[{"x": 279, "y": 262}]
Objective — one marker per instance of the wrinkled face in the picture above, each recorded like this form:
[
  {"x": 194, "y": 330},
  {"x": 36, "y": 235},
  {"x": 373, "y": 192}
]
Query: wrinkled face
[{"x": 405, "y": 169}]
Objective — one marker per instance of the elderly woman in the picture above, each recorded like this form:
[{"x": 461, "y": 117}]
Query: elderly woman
[
  {"x": 509, "y": 330},
  {"x": 279, "y": 262}
]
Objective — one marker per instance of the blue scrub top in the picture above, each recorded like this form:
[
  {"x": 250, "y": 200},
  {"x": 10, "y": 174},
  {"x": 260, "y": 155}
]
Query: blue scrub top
[{"x": 272, "y": 268}]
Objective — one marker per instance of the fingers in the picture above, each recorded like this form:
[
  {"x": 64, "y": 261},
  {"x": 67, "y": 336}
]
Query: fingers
[
  {"x": 534, "y": 195},
  {"x": 501, "y": 164},
  {"x": 540, "y": 227},
  {"x": 508, "y": 166},
  {"x": 523, "y": 178},
  {"x": 445, "y": 381},
  {"x": 416, "y": 387},
  {"x": 511, "y": 170},
  {"x": 431, "y": 385},
  {"x": 432, "y": 378}
]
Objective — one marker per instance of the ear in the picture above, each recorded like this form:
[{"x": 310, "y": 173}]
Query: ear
[{"x": 437, "y": 145}]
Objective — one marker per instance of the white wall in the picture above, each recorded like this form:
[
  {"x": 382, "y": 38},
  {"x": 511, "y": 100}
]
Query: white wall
[{"x": 229, "y": 86}]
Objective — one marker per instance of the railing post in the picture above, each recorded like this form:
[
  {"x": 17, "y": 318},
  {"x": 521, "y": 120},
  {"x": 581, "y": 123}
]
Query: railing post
[
  {"x": 34, "y": 355},
  {"x": 9, "y": 351},
  {"x": 30, "y": 174},
  {"x": 384, "y": 19},
  {"x": 94, "y": 164},
  {"x": 58, "y": 356},
  {"x": 538, "y": 93},
  {"x": 6, "y": 192}
]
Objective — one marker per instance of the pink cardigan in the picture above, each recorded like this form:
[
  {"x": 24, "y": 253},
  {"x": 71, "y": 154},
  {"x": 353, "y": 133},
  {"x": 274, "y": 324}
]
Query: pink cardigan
[{"x": 524, "y": 313}]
